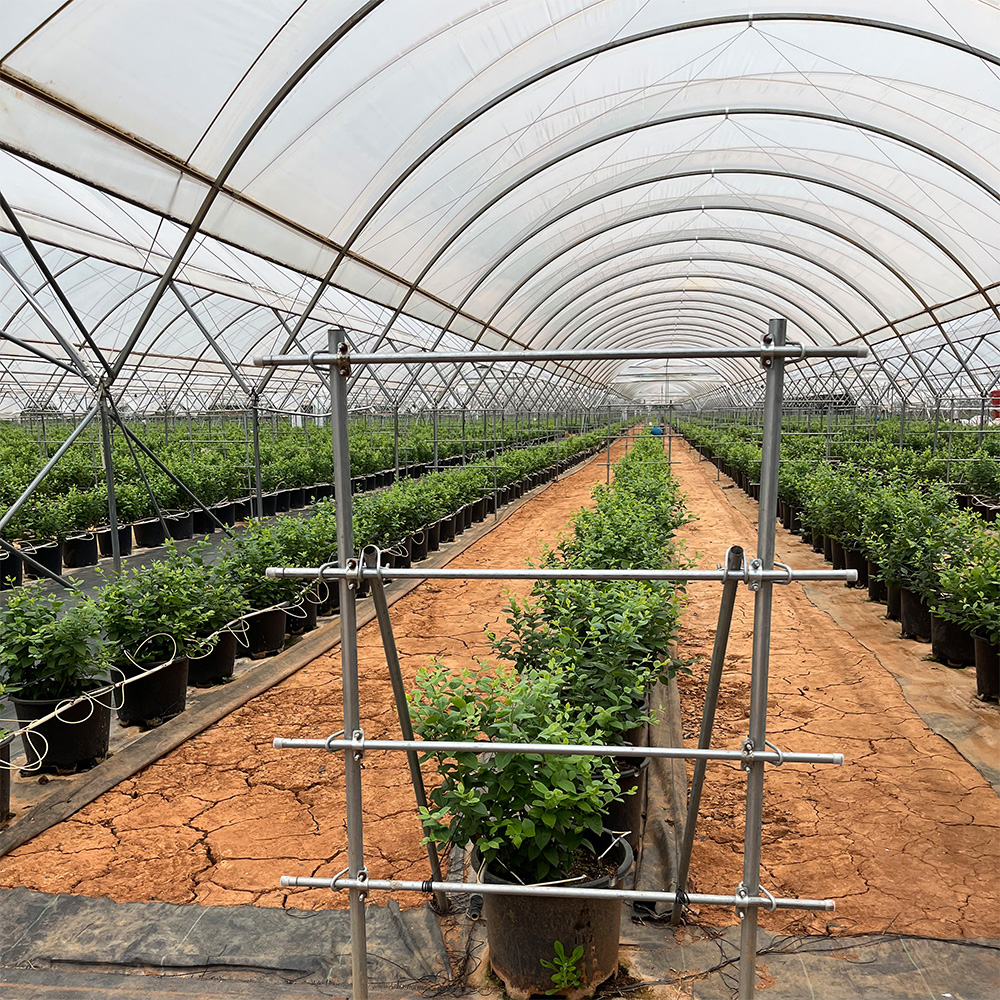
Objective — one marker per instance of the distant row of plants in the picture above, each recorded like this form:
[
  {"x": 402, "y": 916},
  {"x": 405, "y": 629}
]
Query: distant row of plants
[
  {"x": 574, "y": 668},
  {"x": 178, "y": 604},
  {"x": 907, "y": 523},
  {"x": 73, "y": 497}
]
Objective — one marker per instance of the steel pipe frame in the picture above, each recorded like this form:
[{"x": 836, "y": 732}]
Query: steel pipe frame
[{"x": 558, "y": 892}]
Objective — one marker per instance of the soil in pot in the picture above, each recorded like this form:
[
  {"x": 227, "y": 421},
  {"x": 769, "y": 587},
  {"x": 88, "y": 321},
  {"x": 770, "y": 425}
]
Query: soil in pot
[
  {"x": 11, "y": 570},
  {"x": 914, "y": 616},
  {"x": 215, "y": 666},
  {"x": 893, "y": 601},
  {"x": 523, "y": 930},
  {"x": 180, "y": 524},
  {"x": 950, "y": 643},
  {"x": 80, "y": 550},
  {"x": 73, "y": 741},
  {"x": 124, "y": 540},
  {"x": 149, "y": 533},
  {"x": 153, "y": 698},
  {"x": 987, "y": 669},
  {"x": 265, "y": 632}
]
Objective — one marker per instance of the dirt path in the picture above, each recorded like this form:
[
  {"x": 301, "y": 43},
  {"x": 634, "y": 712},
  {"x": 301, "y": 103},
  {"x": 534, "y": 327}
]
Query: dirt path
[
  {"x": 905, "y": 833},
  {"x": 223, "y": 817}
]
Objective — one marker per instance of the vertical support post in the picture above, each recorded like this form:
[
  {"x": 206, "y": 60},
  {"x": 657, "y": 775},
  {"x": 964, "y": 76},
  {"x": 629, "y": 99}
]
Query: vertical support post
[
  {"x": 607, "y": 466},
  {"x": 734, "y": 561},
  {"x": 463, "y": 435},
  {"x": 434, "y": 419},
  {"x": 255, "y": 422},
  {"x": 395, "y": 440},
  {"x": 109, "y": 479},
  {"x": 937, "y": 424},
  {"x": 774, "y": 386},
  {"x": 339, "y": 374},
  {"x": 902, "y": 420},
  {"x": 982, "y": 422},
  {"x": 951, "y": 431}
]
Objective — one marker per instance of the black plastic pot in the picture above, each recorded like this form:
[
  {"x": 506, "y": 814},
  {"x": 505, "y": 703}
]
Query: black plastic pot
[
  {"x": 296, "y": 498},
  {"x": 124, "y": 540},
  {"x": 479, "y": 509},
  {"x": 433, "y": 536},
  {"x": 149, "y": 533},
  {"x": 857, "y": 560},
  {"x": 242, "y": 509},
  {"x": 225, "y": 512},
  {"x": 950, "y": 643},
  {"x": 447, "y": 528},
  {"x": 987, "y": 668},
  {"x": 418, "y": 545},
  {"x": 876, "y": 587},
  {"x": 357, "y": 484},
  {"x": 818, "y": 542},
  {"x": 466, "y": 517},
  {"x": 491, "y": 503},
  {"x": 153, "y": 699},
  {"x": 217, "y": 665},
  {"x": 73, "y": 741},
  {"x": 523, "y": 930},
  {"x": 282, "y": 501},
  {"x": 5, "y": 812},
  {"x": 301, "y": 617},
  {"x": 893, "y": 601},
  {"x": 625, "y": 812},
  {"x": 80, "y": 550},
  {"x": 828, "y": 548},
  {"x": 265, "y": 632},
  {"x": 914, "y": 616},
  {"x": 839, "y": 558},
  {"x": 202, "y": 523},
  {"x": 180, "y": 524},
  {"x": 49, "y": 554},
  {"x": 11, "y": 570},
  {"x": 269, "y": 505},
  {"x": 402, "y": 555}
]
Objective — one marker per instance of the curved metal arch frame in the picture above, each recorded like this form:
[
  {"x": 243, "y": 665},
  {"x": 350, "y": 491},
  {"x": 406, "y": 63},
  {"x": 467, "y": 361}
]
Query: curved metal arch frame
[
  {"x": 687, "y": 275},
  {"x": 777, "y": 248},
  {"x": 738, "y": 171},
  {"x": 607, "y": 304}
]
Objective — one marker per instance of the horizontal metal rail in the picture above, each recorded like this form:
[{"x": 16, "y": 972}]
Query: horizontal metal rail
[
  {"x": 560, "y": 892},
  {"x": 359, "y": 744},
  {"x": 351, "y": 572},
  {"x": 792, "y": 352}
]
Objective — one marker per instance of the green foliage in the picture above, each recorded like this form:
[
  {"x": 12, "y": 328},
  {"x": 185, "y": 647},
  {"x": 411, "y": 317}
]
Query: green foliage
[
  {"x": 565, "y": 974},
  {"x": 969, "y": 582},
  {"x": 47, "y": 653},
  {"x": 246, "y": 557}
]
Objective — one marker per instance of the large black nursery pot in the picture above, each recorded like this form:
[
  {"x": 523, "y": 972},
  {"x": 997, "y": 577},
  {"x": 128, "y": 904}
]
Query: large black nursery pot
[
  {"x": 265, "y": 631},
  {"x": 301, "y": 616},
  {"x": 987, "y": 668},
  {"x": 418, "y": 545},
  {"x": 479, "y": 509},
  {"x": 914, "y": 616},
  {"x": 152, "y": 699},
  {"x": 876, "y": 587},
  {"x": 243, "y": 509},
  {"x": 77, "y": 738},
  {"x": 523, "y": 930},
  {"x": 447, "y": 526},
  {"x": 180, "y": 524},
  {"x": 839, "y": 556},
  {"x": 11, "y": 570},
  {"x": 216, "y": 665},
  {"x": 269, "y": 504},
  {"x": 202, "y": 522},
  {"x": 950, "y": 643},
  {"x": 124, "y": 540},
  {"x": 857, "y": 561},
  {"x": 625, "y": 812},
  {"x": 80, "y": 550},
  {"x": 225, "y": 512},
  {"x": 149, "y": 533},
  {"x": 828, "y": 548},
  {"x": 467, "y": 517},
  {"x": 47, "y": 553},
  {"x": 5, "y": 743},
  {"x": 893, "y": 601},
  {"x": 434, "y": 536},
  {"x": 282, "y": 501}
]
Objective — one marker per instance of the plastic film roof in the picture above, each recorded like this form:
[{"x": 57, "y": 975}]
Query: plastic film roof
[{"x": 541, "y": 173}]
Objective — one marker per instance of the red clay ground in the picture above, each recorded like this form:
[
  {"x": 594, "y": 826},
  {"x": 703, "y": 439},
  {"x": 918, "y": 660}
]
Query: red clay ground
[
  {"x": 223, "y": 817},
  {"x": 906, "y": 831}
]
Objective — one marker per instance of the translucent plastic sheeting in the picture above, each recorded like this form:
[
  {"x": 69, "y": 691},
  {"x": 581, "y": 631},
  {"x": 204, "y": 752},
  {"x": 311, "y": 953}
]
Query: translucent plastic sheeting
[{"x": 510, "y": 159}]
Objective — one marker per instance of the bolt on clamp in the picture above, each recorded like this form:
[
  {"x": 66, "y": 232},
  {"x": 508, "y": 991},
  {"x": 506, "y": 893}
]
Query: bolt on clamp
[
  {"x": 344, "y": 360},
  {"x": 746, "y": 754},
  {"x": 358, "y": 743}
]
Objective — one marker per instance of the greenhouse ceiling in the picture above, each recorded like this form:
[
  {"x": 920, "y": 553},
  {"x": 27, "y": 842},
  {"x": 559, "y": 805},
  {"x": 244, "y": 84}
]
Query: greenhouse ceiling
[{"x": 189, "y": 185}]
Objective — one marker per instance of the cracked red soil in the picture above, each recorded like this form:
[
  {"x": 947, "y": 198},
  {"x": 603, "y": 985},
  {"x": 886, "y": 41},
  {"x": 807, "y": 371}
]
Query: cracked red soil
[
  {"x": 905, "y": 832},
  {"x": 220, "y": 819}
]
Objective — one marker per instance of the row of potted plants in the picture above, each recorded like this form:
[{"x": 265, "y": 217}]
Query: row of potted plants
[
  {"x": 934, "y": 563},
  {"x": 179, "y": 621},
  {"x": 574, "y": 667}
]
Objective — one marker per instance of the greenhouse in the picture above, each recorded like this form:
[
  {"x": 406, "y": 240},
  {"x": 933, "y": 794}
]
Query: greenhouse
[{"x": 499, "y": 498}]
